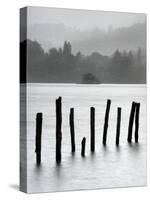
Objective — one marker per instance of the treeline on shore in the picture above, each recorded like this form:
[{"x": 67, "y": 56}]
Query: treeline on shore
[{"x": 62, "y": 66}]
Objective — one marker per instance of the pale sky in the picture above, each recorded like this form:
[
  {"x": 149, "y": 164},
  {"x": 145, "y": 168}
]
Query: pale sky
[{"x": 82, "y": 19}]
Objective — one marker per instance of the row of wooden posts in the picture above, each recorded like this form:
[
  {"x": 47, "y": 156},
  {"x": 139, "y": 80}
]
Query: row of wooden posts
[{"x": 134, "y": 114}]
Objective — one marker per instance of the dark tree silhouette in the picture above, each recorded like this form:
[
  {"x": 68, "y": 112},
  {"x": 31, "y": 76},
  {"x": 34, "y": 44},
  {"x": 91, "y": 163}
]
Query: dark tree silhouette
[
  {"x": 90, "y": 78},
  {"x": 67, "y": 49}
]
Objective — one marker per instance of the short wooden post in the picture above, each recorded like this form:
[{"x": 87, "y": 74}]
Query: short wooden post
[
  {"x": 83, "y": 147},
  {"x": 72, "y": 132},
  {"x": 92, "y": 120},
  {"x": 118, "y": 126},
  {"x": 58, "y": 129},
  {"x": 137, "y": 122},
  {"x": 38, "y": 137},
  {"x": 106, "y": 121},
  {"x": 131, "y": 120}
]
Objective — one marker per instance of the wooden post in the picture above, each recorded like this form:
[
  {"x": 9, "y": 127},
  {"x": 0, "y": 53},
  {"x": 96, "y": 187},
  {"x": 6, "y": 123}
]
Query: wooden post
[
  {"x": 106, "y": 121},
  {"x": 38, "y": 137},
  {"x": 92, "y": 119},
  {"x": 137, "y": 122},
  {"x": 83, "y": 147},
  {"x": 58, "y": 129},
  {"x": 131, "y": 120},
  {"x": 72, "y": 132},
  {"x": 118, "y": 125}
]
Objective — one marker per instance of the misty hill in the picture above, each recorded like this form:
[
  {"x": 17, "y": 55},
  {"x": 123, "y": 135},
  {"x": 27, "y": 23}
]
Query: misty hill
[
  {"x": 60, "y": 65},
  {"x": 88, "y": 41}
]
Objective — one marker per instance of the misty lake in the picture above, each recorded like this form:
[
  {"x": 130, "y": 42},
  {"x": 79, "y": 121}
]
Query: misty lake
[{"x": 109, "y": 166}]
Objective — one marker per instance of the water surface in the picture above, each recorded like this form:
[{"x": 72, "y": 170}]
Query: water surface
[{"x": 109, "y": 166}]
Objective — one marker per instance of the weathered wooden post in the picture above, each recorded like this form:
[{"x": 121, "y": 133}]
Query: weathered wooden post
[
  {"x": 72, "y": 132},
  {"x": 118, "y": 125},
  {"x": 38, "y": 137},
  {"x": 58, "y": 129},
  {"x": 137, "y": 122},
  {"x": 92, "y": 120},
  {"x": 106, "y": 121},
  {"x": 131, "y": 120},
  {"x": 83, "y": 147}
]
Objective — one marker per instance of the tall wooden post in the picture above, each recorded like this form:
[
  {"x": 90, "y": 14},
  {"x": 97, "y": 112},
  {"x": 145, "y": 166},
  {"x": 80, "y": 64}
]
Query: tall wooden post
[
  {"x": 72, "y": 132},
  {"x": 106, "y": 121},
  {"x": 92, "y": 120},
  {"x": 58, "y": 129},
  {"x": 131, "y": 120},
  {"x": 83, "y": 147},
  {"x": 118, "y": 126},
  {"x": 137, "y": 122},
  {"x": 38, "y": 137}
]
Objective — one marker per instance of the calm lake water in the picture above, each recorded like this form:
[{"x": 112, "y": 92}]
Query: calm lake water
[{"x": 108, "y": 167}]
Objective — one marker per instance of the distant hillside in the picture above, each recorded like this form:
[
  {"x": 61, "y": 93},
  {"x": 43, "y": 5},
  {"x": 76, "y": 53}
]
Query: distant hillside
[{"x": 105, "y": 42}]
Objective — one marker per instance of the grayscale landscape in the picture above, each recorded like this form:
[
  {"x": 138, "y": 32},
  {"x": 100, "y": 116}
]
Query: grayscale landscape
[{"x": 86, "y": 58}]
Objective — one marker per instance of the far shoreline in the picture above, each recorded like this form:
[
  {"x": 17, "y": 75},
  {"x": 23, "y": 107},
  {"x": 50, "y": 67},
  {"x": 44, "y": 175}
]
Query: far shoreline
[{"x": 85, "y": 85}]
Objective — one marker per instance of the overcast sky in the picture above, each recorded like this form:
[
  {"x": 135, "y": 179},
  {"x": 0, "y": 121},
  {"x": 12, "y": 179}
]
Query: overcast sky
[{"x": 82, "y": 19}]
